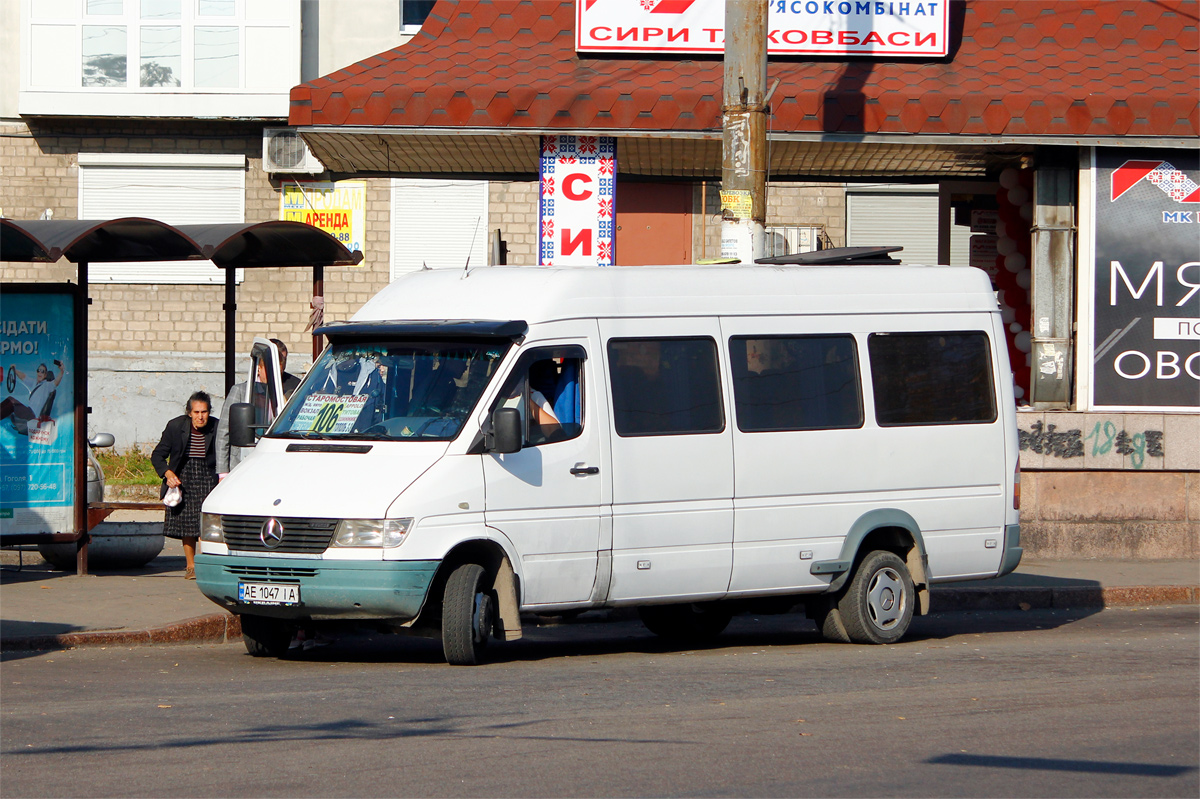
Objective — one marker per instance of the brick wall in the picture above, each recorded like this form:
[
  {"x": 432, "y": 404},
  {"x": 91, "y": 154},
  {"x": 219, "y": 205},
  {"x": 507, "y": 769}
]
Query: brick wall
[
  {"x": 790, "y": 204},
  {"x": 513, "y": 210}
]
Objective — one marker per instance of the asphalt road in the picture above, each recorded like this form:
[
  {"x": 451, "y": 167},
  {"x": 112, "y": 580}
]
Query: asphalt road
[{"x": 1043, "y": 703}]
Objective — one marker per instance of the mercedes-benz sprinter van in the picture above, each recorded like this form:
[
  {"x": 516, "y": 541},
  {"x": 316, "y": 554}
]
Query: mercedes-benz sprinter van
[{"x": 689, "y": 441}]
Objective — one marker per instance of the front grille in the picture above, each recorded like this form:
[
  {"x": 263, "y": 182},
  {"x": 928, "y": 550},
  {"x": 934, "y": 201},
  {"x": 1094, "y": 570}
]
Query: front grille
[
  {"x": 309, "y": 536},
  {"x": 269, "y": 573}
]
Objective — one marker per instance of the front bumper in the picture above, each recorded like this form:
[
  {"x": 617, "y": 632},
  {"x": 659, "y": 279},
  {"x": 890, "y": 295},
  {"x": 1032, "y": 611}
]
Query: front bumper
[{"x": 329, "y": 589}]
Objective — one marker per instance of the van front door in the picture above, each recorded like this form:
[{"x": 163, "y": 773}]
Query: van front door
[
  {"x": 547, "y": 498},
  {"x": 672, "y": 453}
]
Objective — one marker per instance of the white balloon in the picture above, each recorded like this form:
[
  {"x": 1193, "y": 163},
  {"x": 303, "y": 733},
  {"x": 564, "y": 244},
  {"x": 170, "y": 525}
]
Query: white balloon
[
  {"x": 1018, "y": 195},
  {"x": 1008, "y": 178},
  {"x": 1021, "y": 341},
  {"x": 1018, "y": 392},
  {"x": 1027, "y": 212},
  {"x": 1006, "y": 246},
  {"x": 1015, "y": 327},
  {"x": 1025, "y": 278},
  {"x": 1007, "y": 314},
  {"x": 1000, "y": 228},
  {"x": 1015, "y": 263}
]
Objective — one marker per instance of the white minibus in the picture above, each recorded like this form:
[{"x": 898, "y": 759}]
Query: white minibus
[{"x": 475, "y": 446}]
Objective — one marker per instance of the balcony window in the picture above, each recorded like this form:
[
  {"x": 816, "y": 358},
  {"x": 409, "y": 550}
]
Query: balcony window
[{"x": 105, "y": 55}]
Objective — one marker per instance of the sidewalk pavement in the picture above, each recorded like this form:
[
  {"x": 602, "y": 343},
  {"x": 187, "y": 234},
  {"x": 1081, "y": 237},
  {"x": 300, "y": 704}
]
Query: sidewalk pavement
[{"x": 41, "y": 608}]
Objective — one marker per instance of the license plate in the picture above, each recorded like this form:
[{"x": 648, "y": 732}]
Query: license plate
[{"x": 268, "y": 594}]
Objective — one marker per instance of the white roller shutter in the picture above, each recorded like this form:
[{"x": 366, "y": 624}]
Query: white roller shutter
[
  {"x": 905, "y": 216},
  {"x": 177, "y": 195},
  {"x": 434, "y": 222}
]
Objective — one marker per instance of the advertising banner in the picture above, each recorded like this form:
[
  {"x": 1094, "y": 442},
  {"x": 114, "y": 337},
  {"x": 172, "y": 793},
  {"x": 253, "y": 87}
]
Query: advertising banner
[
  {"x": 337, "y": 208},
  {"x": 1146, "y": 330},
  {"x": 882, "y": 28},
  {"x": 37, "y": 413},
  {"x": 578, "y": 191}
]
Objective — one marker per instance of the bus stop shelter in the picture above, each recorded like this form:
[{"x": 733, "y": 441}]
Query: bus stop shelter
[{"x": 229, "y": 246}]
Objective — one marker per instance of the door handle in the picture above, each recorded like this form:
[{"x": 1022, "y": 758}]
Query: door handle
[{"x": 581, "y": 469}]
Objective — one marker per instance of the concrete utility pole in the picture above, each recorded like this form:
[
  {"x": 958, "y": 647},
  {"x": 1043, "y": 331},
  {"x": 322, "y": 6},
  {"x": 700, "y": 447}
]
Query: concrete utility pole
[{"x": 744, "y": 140}]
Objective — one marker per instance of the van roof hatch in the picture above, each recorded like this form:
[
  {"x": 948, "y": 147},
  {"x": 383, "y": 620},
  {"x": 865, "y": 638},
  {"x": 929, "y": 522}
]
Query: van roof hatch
[{"x": 838, "y": 256}]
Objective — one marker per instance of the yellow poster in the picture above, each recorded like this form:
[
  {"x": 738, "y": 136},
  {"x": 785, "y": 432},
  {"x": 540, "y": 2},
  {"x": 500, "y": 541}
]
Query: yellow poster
[{"x": 338, "y": 208}]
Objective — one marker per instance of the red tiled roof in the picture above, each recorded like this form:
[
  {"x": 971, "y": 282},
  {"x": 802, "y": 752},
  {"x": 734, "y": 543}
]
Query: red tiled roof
[{"x": 1058, "y": 68}]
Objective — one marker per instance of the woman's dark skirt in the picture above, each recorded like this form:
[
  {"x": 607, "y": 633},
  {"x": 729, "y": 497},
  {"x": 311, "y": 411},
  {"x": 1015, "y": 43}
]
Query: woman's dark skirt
[{"x": 183, "y": 520}]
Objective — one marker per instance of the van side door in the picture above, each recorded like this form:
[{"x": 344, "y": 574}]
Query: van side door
[
  {"x": 548, "y": 497},
  {"x": 672, "y": 456}
]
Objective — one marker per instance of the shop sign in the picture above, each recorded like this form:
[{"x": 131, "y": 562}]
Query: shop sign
[
  {"x": 37, "y": 412},
  {"x": 578, "y": 191},
  {"x": 882, "y": 28},
  {"x": 337, "y": 208},
  {"x": 1146, "y": 287}
]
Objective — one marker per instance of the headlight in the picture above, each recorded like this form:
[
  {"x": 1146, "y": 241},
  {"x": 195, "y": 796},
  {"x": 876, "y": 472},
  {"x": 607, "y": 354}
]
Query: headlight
[
  {"x": 371, "y": 532},
  {"x": 210, "y": 528}
]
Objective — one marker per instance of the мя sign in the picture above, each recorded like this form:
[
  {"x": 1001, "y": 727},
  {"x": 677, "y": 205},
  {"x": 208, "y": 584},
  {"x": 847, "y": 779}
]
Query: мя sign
[
  {"x": 885, "y": 28},
  {"x": 1146, "y": 333}
]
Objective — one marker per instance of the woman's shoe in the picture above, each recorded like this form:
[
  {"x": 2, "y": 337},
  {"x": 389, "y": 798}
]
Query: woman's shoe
[{"x": 190, "y": 574}]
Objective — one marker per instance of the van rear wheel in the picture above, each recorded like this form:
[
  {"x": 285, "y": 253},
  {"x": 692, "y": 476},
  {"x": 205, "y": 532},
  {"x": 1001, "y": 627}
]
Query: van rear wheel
[
  {"x": 265, "y": 637},
  {"x": 685, "y": 623},
  {"x": 877, "y": 606},
  {"x": 468, "y": 615}
]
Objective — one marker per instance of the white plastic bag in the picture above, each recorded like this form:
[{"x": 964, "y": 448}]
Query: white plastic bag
[{"x": 173, "y": 496}]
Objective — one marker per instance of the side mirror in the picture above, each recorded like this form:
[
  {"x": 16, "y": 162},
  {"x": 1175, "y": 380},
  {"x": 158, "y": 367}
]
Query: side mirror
[
  {"x": 102, "y": 440},
  {"x": 506, "y": 431},
  {"x": 241, "y": 424}
]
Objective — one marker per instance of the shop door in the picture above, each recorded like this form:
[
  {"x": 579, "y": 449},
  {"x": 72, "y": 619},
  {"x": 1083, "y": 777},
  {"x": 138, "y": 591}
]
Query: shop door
[{"x": 654, "y": 223}]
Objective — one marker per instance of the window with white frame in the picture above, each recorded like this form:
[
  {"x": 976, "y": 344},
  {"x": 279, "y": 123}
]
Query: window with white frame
[
  {"x": 413, "y": 14},
  {"x": 439, "y": 224},
  {"x": 151, "y": 48},
  {"x": 178, "y": 190}
]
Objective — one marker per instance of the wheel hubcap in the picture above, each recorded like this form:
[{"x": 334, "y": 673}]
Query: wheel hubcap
[
  {"x": 481, "y": 619},
  {"x": 886, "y": 599}
]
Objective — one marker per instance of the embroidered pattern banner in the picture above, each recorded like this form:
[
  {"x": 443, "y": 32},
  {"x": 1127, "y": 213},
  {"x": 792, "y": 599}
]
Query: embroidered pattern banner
[{"x": 578, "y": 188}]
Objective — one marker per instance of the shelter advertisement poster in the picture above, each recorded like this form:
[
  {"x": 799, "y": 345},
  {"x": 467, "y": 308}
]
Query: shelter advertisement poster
[
  {"x": 880, "y": 28},
  {"x": 578, "y": 200},
  {"x": 37, "y": 413},
  {"x": 1146, "y": 300},
  {"x": 338, "y": 208}
]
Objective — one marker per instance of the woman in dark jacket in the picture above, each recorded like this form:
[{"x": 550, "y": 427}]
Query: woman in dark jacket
[{"x": 187, "y": 457}]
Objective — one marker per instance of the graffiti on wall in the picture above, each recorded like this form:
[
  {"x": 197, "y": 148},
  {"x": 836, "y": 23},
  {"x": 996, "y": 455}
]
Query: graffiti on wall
[{"x": 1103, "y": 437}]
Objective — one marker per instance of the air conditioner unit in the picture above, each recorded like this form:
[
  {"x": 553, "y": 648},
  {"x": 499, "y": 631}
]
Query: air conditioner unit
[{"x": 285, "y": 151}]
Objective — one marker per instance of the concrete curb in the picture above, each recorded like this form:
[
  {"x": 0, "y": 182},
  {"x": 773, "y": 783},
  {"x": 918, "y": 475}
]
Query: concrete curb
[
  {"x": 222, "y": 628},
  {"x": 215, "y": 628}
]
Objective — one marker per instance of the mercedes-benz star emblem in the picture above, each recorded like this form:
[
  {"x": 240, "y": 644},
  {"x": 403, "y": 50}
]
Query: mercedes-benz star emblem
[{"x": 272, "y": 533}]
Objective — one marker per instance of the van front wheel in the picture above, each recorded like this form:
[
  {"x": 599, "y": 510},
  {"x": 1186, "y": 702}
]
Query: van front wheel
[
  {"x": 265, "y": 637},
  {"x": 468, "y": 615},
  {"x": 878, "y": 604}
]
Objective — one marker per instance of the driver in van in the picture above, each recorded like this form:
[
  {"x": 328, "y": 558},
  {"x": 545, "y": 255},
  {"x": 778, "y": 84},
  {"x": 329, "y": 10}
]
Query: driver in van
[{"x": 537, "y": 411}]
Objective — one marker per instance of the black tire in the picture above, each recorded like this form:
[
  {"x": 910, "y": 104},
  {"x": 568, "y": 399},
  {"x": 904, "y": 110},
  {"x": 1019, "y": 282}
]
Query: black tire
[
  {"x": 265, "y": 637},
  {"x": 877, "y": 606},
  {"x": 824, "y": 611},
  {"x": 691, "y": 623},
  {"x": 468, "y": 615}
]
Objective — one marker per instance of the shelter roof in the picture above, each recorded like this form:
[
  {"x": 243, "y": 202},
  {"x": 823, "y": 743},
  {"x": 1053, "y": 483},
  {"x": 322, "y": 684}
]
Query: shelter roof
[
  {"x": 240, "y": 246},
  {"x": 1054, "y": 71}
]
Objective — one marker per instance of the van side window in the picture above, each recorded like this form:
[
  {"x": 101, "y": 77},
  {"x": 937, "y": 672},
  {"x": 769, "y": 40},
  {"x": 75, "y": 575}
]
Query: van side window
[
  {"x": 549, "y": 394},
  {"x": 932, "y": 378},
  {"x": 795, "y": 383},
  {"x": 665, "y": 386}
]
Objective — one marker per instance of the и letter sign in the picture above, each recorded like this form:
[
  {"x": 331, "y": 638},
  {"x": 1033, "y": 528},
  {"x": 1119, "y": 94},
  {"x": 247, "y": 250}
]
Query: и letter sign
[{"x": 578, "y": 184}]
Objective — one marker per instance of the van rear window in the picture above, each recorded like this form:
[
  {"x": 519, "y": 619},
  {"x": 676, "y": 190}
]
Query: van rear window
[
  {"x": 932, "y": 378},
  {"x": 795, "y": 383},
  {"x": 665, "y": 386}
]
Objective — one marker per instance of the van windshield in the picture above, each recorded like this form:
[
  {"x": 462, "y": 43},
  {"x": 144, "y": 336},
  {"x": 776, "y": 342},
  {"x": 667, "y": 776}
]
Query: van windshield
[{"x": 393, "y": 391}]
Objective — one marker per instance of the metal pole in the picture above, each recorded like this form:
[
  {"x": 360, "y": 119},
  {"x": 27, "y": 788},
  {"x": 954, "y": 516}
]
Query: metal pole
[
  {"x": 80, "y": 331},
  {"x": 318, "y": 291},
  {"x": 230, "y": 327},
  {"x": 744, "y": 139},
  {"x": 1053, "y": 266}
]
